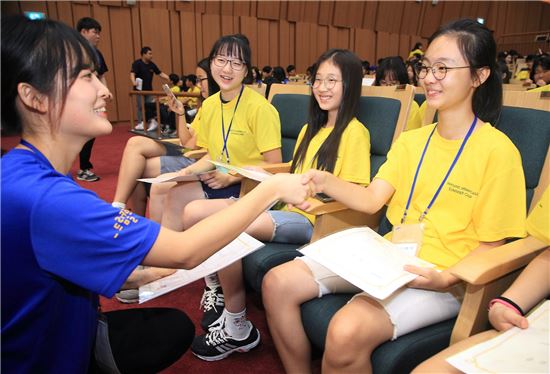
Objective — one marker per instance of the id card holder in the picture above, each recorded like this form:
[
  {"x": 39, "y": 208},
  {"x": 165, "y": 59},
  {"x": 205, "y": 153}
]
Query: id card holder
[
  {"x": 408, "y": 237},
  {"x": 221, "y": 169}
]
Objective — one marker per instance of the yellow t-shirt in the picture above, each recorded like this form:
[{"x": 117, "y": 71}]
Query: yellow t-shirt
[
  {"x": 193, "y": 101},
  {"x": 353, "y": 159},
  {"x": 256, "y": 128},
  {"x": 482, "y": 200},
  {"x": 196, "y": 124},
  {"x": 522, "y": 75},
  {"x": 415, "y": 120},
  {"x": 544, "y": 88},
  {"x": 412, "y": 53},
  {"x": 538, "y": 221}
]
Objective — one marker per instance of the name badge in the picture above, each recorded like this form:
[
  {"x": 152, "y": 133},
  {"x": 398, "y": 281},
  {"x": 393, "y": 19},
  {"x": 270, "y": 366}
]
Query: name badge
[{"x": 408, "y": 237}]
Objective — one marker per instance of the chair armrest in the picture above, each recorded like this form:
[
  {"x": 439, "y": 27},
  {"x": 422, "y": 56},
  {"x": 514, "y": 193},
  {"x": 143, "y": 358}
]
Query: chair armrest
[
  {"x": 494, "y": 263},
  {"x": 487, "y": 275},
  {"x": 196, "y": 154},
  {"x": 283, "y": 167}
]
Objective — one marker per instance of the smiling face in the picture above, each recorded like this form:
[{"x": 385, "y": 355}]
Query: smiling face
[
  {"x": 227, "y": 77},
  {"x": 329, "y": 99},
  {"x": 84, "y": 113},
  {"x": 457, "y": 88}
]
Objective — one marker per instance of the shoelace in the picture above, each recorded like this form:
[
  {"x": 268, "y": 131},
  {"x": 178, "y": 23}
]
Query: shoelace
[
  {"x": 209, "y": 300},
  {"x": 216, "y": 337}
]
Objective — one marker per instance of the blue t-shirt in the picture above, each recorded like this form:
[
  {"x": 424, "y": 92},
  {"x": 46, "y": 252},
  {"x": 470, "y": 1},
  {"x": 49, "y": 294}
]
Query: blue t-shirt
[{"x": 61, "y": 246}]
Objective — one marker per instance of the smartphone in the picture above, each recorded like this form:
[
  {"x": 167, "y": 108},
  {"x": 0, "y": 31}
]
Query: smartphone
[
  {"x": 168, "y": 91},
  {"x": 324, "y": 198}
]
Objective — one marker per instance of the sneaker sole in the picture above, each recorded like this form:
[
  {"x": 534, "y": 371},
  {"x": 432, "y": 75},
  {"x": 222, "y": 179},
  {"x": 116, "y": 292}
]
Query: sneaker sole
[
  {"x": 127, "y": 301},
  {"x": 87, "y": 180},
  {"x": 243, "y": 349}
]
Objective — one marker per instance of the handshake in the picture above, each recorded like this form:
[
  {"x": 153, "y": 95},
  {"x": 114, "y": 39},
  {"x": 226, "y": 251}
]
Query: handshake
[{"x": 296, "y": 189}]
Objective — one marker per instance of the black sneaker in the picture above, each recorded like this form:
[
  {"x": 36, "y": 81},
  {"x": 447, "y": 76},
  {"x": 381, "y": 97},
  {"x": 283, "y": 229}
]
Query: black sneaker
[
  {"x": 86, "y": 175},
  {"x": 212, "y": 304},
  {"x": 216, "y": 345}
]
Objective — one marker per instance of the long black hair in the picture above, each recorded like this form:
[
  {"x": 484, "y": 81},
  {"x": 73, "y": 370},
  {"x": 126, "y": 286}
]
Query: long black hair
[
  {"x": 46, "y": 54},
  {"x": 352, "y": 75},
  {"x": 478, "y": 47}
]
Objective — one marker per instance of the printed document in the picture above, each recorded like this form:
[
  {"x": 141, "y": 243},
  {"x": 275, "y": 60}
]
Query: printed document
[
  {"x": 366, "y": 259},
  {"x": 513, "y": 351},
  {"x": 256, "y": 175},
  {"x": 237, "y": 249}
]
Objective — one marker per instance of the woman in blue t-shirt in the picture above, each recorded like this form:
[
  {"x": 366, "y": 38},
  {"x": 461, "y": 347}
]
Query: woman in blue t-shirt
[{"x": 61, "y": 244}]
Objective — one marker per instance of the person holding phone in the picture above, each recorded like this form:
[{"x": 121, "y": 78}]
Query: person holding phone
[
  {"x": 332, "y": 140},
  {"x": 61, "y": 244},
  {"x": 147, "y": 158}
]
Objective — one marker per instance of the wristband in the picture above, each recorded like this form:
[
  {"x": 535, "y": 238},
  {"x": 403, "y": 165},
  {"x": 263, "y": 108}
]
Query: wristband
[{"x": 507, "y": 303}]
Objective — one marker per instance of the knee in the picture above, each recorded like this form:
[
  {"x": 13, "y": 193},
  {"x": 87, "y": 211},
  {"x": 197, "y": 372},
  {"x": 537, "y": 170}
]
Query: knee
[
  {"x": 193, "y": 213},
  {"x": 274, "y": 285},
  {"x": 134, "y": 143},
  {"x": 346, "y": 340}
]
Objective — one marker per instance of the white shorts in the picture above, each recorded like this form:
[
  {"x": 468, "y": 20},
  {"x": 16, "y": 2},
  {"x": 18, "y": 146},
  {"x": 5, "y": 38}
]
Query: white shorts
[{"x": 409, "y": 309}]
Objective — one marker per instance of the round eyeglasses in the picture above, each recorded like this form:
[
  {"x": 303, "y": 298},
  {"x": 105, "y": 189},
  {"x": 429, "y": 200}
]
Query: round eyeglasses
[
  {"x": 439, "y": 70},
  {"x": 328, "y": 82},
  {"x": 221, "y": 61}
]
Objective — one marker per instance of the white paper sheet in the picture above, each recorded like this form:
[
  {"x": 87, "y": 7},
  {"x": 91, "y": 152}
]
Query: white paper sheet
[
  {"x": 237, "y": 249},
  {"x": 365, "y": 259},
  {"x": 256, "y": 175},
  {"x": 163, "y": 178},
  {"x": 513, "y": 351}
]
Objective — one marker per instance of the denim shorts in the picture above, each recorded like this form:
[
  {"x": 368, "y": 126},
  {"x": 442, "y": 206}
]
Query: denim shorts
[
  {"x": 290, "y": 227},
  {"x": 232, "y": 191},
  {"x": 174, "y": 160}
]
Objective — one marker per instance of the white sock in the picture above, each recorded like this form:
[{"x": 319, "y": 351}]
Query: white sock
[
  {"x": 212, "y": 281},
  {"x": 236, "y": 324},
  {"x": 118, "y": 204}
]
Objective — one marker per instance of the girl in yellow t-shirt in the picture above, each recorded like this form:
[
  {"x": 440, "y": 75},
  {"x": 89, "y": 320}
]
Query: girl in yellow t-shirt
[
  {"x": 333, "y": 140},
  {"x": 456, "y": 187}
]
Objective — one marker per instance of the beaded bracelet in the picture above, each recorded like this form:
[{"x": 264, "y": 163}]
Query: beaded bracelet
[{"x": 507, "y": 303}]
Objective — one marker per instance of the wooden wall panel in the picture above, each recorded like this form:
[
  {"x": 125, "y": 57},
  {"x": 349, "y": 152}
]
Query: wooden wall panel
[
  {"x": 411, "y": 16},
  {"x": 431, "y": 18},
  {"x": 389, "y": 15},
  {"x": 155, "y": 33},
  {"x": 123, "y": 52},
  {"x": 268, "y": 10},
  {"x": 280, "y": 32},
  {"x": 175, "y": 43},
  {"x": 190, "y": 57},
  {"x": 65, "y": 12},
  {"x": 263, "y": 42},
  {"x": 311, "y": 12},
  {"x": 365, "y": 45},
  {"x": 369, "y": 15},
  {"x": 84, "y": 10},
  {"x": 348, "y": 14},
  {"x": 211, "y": 31},
  {"x": 249, "y": 28}
]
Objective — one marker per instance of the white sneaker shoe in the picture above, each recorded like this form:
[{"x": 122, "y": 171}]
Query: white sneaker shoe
[
  {"x": 153, "y": 124},
  {"x": 139, "y": 126}
]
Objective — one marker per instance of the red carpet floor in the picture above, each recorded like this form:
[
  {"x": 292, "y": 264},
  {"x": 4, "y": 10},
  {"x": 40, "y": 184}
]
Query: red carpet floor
[{"x": 106, "y": 156}]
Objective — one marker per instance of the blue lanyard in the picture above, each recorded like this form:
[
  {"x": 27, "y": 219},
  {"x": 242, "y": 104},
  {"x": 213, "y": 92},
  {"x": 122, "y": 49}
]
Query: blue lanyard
[
  {"x": 36, "y": 152},
  {"x": 225, "y": 136},
  {"x": 472, "y": 126}
]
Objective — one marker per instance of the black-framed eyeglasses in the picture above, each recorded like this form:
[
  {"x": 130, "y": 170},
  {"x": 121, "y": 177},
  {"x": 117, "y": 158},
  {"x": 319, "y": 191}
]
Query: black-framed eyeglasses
[
  {"x": 221, "y": 61},
  {"x": 329, "y": 82},
  {"x": 202, "y": 79},
  {"x": 439, "y": 70}
]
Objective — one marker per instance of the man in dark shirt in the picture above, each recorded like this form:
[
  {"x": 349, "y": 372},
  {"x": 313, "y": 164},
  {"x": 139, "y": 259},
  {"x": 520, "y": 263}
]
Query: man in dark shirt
[
  {"x": 143, "y": 69},
  {"x": 90, "y": 29}
]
